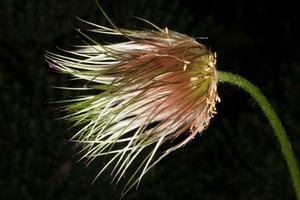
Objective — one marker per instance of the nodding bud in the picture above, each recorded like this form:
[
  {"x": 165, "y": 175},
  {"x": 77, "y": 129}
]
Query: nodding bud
[{"x": 148, "y": 90}]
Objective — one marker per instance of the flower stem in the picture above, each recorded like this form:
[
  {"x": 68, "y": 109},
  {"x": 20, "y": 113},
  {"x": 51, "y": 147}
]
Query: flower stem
[{"x": 276, "y": 124}]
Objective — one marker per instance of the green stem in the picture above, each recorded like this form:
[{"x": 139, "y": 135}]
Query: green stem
[{"x": 274, "y": 121}]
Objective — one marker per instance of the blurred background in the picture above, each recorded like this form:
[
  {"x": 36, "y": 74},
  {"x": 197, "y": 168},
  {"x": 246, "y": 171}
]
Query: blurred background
[{"x": 237, "y": 157}]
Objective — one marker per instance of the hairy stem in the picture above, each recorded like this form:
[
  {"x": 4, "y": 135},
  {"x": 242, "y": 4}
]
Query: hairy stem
[{"x": 269, "y": 112}]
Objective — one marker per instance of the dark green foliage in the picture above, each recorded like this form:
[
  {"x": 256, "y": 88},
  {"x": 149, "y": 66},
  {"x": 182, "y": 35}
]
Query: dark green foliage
[{"x": 237, "y": 157}]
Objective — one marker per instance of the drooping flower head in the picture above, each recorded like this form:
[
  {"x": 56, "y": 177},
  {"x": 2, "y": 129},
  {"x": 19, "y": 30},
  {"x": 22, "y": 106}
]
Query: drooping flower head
[{"x": 147, "y": 91}]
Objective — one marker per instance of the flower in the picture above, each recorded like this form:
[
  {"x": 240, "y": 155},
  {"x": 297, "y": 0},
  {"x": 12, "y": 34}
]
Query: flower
[{"x": 148, "y": 90}]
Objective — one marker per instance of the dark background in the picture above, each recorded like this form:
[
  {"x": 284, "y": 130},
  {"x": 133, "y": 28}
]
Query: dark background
[{"x": 237, "y": 157}]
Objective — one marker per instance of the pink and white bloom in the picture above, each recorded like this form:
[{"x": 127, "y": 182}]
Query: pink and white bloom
[{"x": 146, "y": 91}]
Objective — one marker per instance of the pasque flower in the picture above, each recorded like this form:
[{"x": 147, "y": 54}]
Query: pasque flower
[
  {"x": 157, "y": 85},
  {"x": 145, "y": 92}
]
